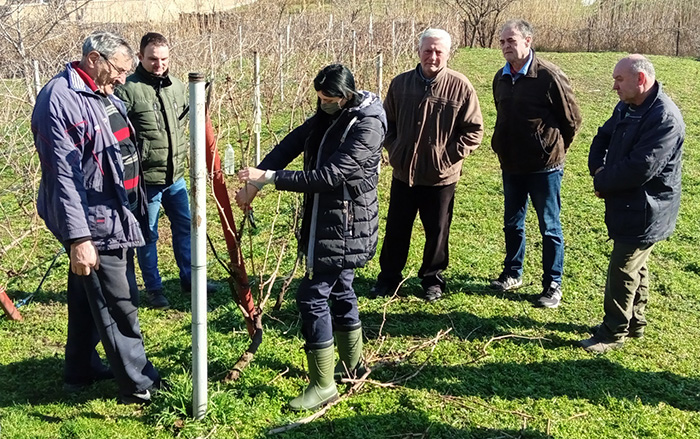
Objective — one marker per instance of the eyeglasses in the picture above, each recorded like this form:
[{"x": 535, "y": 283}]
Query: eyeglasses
[{"x": 119, "y": 70}]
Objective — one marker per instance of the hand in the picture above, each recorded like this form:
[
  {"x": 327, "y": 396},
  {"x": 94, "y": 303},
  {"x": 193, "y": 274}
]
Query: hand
[
  {"x": 246, "y": 195},
  {"x": 251, "y": 174},
  {"x": 83, "y": 257}
]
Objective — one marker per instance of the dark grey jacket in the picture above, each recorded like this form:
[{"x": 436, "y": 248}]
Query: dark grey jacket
[
  {"x": 341, "y": 157},
  {"x": 641, "y": 179}
]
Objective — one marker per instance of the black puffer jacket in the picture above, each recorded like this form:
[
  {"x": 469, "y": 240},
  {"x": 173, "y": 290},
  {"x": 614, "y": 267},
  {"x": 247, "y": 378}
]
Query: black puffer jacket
[
  {"x": 641, "y": 155},
  {"x": 341, "y": 158}
]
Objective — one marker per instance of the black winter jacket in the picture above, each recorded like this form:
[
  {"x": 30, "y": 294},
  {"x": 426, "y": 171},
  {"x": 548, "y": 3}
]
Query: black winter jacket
[
  {"x": 341, "y": 158},
  {"x": 536, "y": 118},
  {"x": 641, "y": 176}
]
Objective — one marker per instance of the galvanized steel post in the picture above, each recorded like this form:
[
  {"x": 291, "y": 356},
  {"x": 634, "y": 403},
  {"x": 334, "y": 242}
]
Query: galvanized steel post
[
  {"x": 257, "y": 111},
  {"x": 198, "y": 192}
]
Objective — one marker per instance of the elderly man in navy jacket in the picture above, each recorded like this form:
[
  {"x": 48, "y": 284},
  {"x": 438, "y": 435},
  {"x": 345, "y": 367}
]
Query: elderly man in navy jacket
[
  {"x": 92, "y": 198},
  {"x": 635, "y": 161}
]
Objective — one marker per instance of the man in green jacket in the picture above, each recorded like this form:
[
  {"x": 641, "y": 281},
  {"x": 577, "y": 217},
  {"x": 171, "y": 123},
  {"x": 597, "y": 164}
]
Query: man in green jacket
[{"x": 156, "y": 103}]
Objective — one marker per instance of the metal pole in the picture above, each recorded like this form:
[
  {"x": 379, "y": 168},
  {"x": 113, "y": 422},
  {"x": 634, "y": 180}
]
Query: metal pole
[
  {"x": 411, "y": 41},
  {"x": 329, "y": 35},
  {"x": 240, "y": 48},
  {"x": 393, "y": 41},
  {"x": 281, "y": 70},
  {"x": 354, "y": 51},
  {"x": 380, "y": 68},
  {"x": 342, "y": 38},
  {"x": 289, "y": 25},
  {"x": 257, "y": 112},
  {"x": 37, "y": 79},
  {"x": 198, "y": 193}
]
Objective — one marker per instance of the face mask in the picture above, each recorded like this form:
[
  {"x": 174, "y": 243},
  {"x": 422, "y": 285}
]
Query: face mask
[{"x": 330, "y": 108}]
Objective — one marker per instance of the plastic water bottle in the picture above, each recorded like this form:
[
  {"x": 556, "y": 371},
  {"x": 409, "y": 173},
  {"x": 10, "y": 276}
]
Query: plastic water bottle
[{"x": 229, "y": 160}]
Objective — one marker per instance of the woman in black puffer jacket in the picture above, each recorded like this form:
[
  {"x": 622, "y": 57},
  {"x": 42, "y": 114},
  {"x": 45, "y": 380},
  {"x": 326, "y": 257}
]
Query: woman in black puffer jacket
[{"x": 342, "y": 144}]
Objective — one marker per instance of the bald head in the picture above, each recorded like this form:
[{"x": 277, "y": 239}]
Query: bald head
[{"x": 634, "y": 78}]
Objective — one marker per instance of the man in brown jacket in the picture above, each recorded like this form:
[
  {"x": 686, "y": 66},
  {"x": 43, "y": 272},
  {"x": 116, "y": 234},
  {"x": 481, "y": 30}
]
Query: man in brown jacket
[
  {"x": 537, "y": 119},
  {"x": 434, "y": 122}
]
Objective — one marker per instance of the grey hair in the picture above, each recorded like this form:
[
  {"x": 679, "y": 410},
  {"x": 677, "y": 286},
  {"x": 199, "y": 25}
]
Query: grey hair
[
  {"x": 522, "y": 26},
  {"x": 642, "y": 64},
  {"x": 440, "y": 34},
  {"x": 107, "y": 44}
]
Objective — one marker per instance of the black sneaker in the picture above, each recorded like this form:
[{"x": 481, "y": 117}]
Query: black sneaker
[
  {"x": 506, "y": 283},
  {"x": 382, "y": 289},
  {"x": 143, "y": 398},
  {"x": 433, "y": 293},
  {"x": 550, "y": 297},
  {"x": 156, "y": 300}
]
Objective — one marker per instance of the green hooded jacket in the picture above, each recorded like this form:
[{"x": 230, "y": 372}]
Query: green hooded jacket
[{"x": 155, "y": 105}]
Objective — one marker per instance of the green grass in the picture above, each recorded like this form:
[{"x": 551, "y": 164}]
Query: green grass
[{"x": 536, "y": 385}]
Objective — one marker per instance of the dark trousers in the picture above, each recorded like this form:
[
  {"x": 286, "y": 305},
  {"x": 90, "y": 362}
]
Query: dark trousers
[
  {"x": 544, "y": 189},
  {"x": 318, "y": 319},
  {"x": 101, "y": 307},
  {"x": 434, "y": 204},
  {"x": 626, "y": 291}
]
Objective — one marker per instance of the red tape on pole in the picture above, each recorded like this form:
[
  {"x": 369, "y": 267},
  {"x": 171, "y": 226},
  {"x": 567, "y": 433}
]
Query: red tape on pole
[{"x": 223, "y": 205}]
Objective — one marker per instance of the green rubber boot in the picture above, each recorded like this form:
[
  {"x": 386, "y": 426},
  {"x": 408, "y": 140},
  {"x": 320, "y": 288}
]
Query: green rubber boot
[
  {"x": 321, "y": 389},
  {"x": 350, "y": 353}
]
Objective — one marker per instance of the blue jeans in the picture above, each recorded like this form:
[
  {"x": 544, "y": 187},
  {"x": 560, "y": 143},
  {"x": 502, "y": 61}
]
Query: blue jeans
[
  {"x": 176, "y": 203},
  {"x": 544, "y": 189},
  {"x": 317, "y": 318}
]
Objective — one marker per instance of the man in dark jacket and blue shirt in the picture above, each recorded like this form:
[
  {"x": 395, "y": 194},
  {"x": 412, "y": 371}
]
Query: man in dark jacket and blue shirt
[
  {"x": 537, "y": 119},
  {"x": 92, "y": 198},
  {"x": 635, "y": 161}
]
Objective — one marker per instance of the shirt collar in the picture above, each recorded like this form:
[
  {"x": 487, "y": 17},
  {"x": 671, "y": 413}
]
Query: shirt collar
[
  {"x": 84, "y": 76},
  {"x": 422, "y": 76},
  {"x": 522, "y": 71}
]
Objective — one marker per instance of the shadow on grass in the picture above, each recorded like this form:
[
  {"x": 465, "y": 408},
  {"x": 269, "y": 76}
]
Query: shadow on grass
[
  {"x": 403, "y": 423},
  {"x": 595, "y": 379},
  {"x": 22, "y": 298},
  {"x": 40, "y": 381},
  {"x": 466, "y": 325}
]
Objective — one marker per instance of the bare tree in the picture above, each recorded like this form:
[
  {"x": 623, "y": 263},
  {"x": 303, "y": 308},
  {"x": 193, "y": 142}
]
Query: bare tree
[
  {"x": 480, "y": 18},
  {"x": 26, "y": 26}
]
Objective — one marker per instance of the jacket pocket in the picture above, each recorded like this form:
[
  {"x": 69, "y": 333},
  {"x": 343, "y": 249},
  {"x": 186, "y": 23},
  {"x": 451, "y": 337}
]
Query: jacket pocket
[
  {"x": 348, "y": 217},
  {"x": 626, "y": 217},
  {"x": 145, "y": 150},
  {"x": 104, "y": 222},
  {"x": 549, "y": 138}
]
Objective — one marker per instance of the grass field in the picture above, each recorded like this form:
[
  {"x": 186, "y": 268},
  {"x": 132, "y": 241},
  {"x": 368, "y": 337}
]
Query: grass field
[{"x": 504, "y": 370}]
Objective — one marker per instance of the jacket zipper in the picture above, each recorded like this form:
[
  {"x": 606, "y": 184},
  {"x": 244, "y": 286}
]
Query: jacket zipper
[{"x": 314, "y": 209}]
